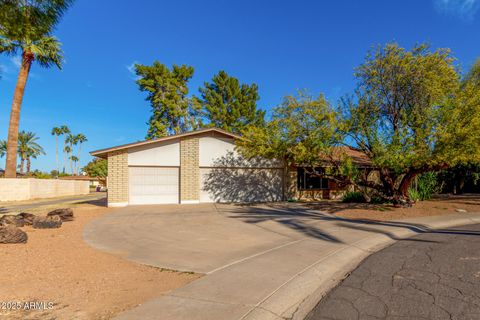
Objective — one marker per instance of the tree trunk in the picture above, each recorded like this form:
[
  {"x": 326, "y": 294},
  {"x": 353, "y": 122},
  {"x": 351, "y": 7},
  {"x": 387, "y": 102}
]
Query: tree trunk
[
  {"x": 22, "y": 164},
  {"x": 28, "y": 165},
  {"x": 12, "y": 143},
  {"x": 405, "y": 184},
  {"x": 56, "y": 154},
  {"x": 64, "y": 157},
  {"x": 79, "y": 152}
]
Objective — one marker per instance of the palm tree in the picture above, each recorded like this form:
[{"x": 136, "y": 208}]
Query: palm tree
[
  {"x": 28, "y": 148},
  {"x": 75, "y": 160},
  {"x": 57, "y": 131},
  {"x": 3, "y": 148},
  {"x": 25, "y": 28},
  {"x": 80, "y": 138},
  {"x": 70, "y": 141},
  {"x": 67, "y": 150},
  {"x": 65, "y": 132}
]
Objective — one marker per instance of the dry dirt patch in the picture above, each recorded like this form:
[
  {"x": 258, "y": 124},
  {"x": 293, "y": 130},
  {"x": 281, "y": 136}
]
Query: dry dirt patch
[
  {"x": 439, "y": 205},
  {"x": 56, "y": 266}
]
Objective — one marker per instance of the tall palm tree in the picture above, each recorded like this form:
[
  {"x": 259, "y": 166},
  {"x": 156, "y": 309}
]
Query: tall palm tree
[
  {"x": 65, "y": 132},
  {"x": 67, "y": 150},
  {"x": 57, "y": 132},
  {"x": 3, "y": 148},
  {"x": 28, "y": 148},
  {"x": 80, "y": 138},
  {"x": 74, "y": 159},
  {"x": 25, "y": 28},
  {"x": 71, "y": 141}
]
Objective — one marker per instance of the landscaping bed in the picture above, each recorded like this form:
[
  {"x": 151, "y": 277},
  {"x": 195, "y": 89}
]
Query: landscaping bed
[
  {"x": 439, "y": 205},
  {"x": 72, "y": 280}
]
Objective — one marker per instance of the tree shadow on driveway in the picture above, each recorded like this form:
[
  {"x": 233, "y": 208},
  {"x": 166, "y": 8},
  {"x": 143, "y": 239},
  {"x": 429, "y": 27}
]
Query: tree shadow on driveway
[{"x": 308, "y": 222}]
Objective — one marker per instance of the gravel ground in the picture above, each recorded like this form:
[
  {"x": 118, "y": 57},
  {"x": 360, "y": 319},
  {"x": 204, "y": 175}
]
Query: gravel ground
[
  {"x": 55, "y": 266},
  {"x": 430, "y": 276}
]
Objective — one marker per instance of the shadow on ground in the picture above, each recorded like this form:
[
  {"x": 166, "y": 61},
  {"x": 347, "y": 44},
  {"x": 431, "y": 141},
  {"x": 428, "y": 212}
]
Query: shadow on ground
[{"x": 305, "y": 219}]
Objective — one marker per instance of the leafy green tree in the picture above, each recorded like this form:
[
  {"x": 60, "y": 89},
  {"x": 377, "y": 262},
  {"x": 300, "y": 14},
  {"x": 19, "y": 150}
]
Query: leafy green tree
[
  {"x": 97, "y": 168},
  {"x": 411, "y": 114},
  {"x": 304, "y": 130},
  {"x": 25, "y": 28},
  {"x": 28, "y": 148},
  {"x": 167, "y": 93},
  {"x": 225, "y": 103}
]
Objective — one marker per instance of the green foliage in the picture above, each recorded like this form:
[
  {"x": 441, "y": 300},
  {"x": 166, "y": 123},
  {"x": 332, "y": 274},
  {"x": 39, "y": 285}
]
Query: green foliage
[
  {"x": 97, "y": 168},
  {"x": 426, "y": 186},
  {"x": 26, "y": 26},
  {"x": 229, "y": 105},
  {"x": 3, "y": 148},
  {"x": 301, "y": 130},
  {"x": 41, "y": 175},
  {"x": 411, "y": 114},
  {"x": 354, "y": 197},
  {"x": 28, "y": 148},
  {"x": 167, "y": 93}
]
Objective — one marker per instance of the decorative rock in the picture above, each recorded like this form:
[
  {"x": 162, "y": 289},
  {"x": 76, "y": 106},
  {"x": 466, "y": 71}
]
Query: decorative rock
[
  {"x": 27, "y": 218},
  {"x": 460, "y": 210},
  {"x": 47, "y": 222},
  {"x": 66, "y": 214},
  {"x": 12, "y": 220},
  {"x": 12, "y": 234}
]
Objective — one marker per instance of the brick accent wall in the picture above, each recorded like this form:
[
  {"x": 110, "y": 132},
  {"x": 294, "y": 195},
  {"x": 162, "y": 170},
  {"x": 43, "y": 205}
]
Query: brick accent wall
[
  {"x": 189, "y": 170},
  {"x": 117, "y": 177}
]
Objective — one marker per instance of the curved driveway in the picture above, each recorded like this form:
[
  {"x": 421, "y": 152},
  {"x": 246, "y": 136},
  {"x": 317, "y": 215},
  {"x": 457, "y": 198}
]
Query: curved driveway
[
  {"x": 261, "y": 262},
  {"x": 431, "y": 276}
]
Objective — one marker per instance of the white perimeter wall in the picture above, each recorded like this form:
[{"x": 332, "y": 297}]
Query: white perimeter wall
[
  {"x": 26, "y": 189},
  {"x": 158, "y": 154}
]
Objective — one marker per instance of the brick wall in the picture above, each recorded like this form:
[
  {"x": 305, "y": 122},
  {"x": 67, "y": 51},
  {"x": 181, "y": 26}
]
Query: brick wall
[
  {"x": 117, "y": 177},
  {"x": 189, "y": 170},
  {"x": 27, "y": 189}
]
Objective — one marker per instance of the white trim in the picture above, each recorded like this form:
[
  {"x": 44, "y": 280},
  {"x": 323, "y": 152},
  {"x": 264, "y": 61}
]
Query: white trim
[
  {"x": 189, "y": 201},
  {"x": 117, "y": 204}
]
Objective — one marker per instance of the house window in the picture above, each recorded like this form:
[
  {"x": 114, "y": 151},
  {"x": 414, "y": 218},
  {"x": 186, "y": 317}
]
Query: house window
[{"x": 307, "y": 181}]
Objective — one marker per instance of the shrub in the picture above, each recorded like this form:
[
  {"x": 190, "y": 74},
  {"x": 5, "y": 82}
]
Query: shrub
[
  {"x": 354, "y": 196},
  {"x": 426, "y": 186}
]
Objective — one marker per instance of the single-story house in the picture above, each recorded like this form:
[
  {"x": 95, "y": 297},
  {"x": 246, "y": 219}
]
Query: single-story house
[
  {"x": 200, "y": 166},
  {"x": 93, "y": 181}
]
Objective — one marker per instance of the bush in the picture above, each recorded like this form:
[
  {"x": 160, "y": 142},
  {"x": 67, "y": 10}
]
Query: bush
[
  {"x": 426, "y": 186},
  {"x": 354, "y": 196}
]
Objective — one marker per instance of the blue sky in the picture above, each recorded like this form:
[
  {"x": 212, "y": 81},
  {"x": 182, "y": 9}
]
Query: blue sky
[{"x": 280, "y": 45}]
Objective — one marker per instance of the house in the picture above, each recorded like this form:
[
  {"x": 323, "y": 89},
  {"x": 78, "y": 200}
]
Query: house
[
  {"x": 199, "y": 166},
  {"x": 93, "y": 181}
]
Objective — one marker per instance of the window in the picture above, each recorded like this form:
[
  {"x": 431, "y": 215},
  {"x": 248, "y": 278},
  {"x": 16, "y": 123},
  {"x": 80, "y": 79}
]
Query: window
[{"x": 307, "y": 181}]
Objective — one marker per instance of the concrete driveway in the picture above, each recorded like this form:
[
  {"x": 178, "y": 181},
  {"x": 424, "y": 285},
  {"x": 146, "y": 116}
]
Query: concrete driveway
[{"x": 261, "y": 262}]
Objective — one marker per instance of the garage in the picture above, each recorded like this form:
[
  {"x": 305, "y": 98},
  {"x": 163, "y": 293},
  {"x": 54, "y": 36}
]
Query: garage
[
  {"x": 153, "y": 185},
  {"x": 242, "y": 185}
]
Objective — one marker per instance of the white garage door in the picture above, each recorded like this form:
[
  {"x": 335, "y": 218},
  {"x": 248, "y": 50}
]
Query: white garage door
[
  {"x": 240, "y": 185},
  {"x": 151, "y": 185}
]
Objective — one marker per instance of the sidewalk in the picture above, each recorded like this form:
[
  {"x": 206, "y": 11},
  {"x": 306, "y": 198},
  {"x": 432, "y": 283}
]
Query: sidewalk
[{"x": 287, "y": 281}]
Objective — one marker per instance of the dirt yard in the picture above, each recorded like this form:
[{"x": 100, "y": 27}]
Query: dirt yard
[
  {"x": 440, "y": 205},
  {"x": 73, "y": 280}
]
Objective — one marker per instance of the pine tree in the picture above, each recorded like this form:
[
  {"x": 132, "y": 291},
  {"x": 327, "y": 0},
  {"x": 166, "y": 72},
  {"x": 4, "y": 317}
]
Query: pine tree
[
  {"x": 229, "y": 105},
  {"x": 167, "y": 93}
]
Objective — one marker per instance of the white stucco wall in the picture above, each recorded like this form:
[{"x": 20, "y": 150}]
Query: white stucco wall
[
  {"x": 26, "y": 189},
  {"x": 165, "y": 153},
  {"x": 213, "y": 148},
  {"x": 220, "y": 152}
]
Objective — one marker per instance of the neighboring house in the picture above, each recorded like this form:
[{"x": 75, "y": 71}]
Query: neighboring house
[
  {"x": 93, "y": 181},
  {"x": 199, "y": 166}
]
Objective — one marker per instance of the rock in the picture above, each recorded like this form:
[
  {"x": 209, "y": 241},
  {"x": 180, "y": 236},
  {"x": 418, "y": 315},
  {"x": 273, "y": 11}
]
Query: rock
[
  {"x": 47, "y": 222},
  {"x": 12, "y": 220},
  {"x": 66, "y": 214},
  {"x": 27, "y": 218},
  {"x": 12, "y": 234},
  {"x": 460, "y": 210}
]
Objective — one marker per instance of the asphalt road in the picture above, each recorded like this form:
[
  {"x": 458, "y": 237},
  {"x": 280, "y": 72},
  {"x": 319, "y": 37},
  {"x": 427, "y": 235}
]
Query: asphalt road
[{"x": 430, "y": 276}]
